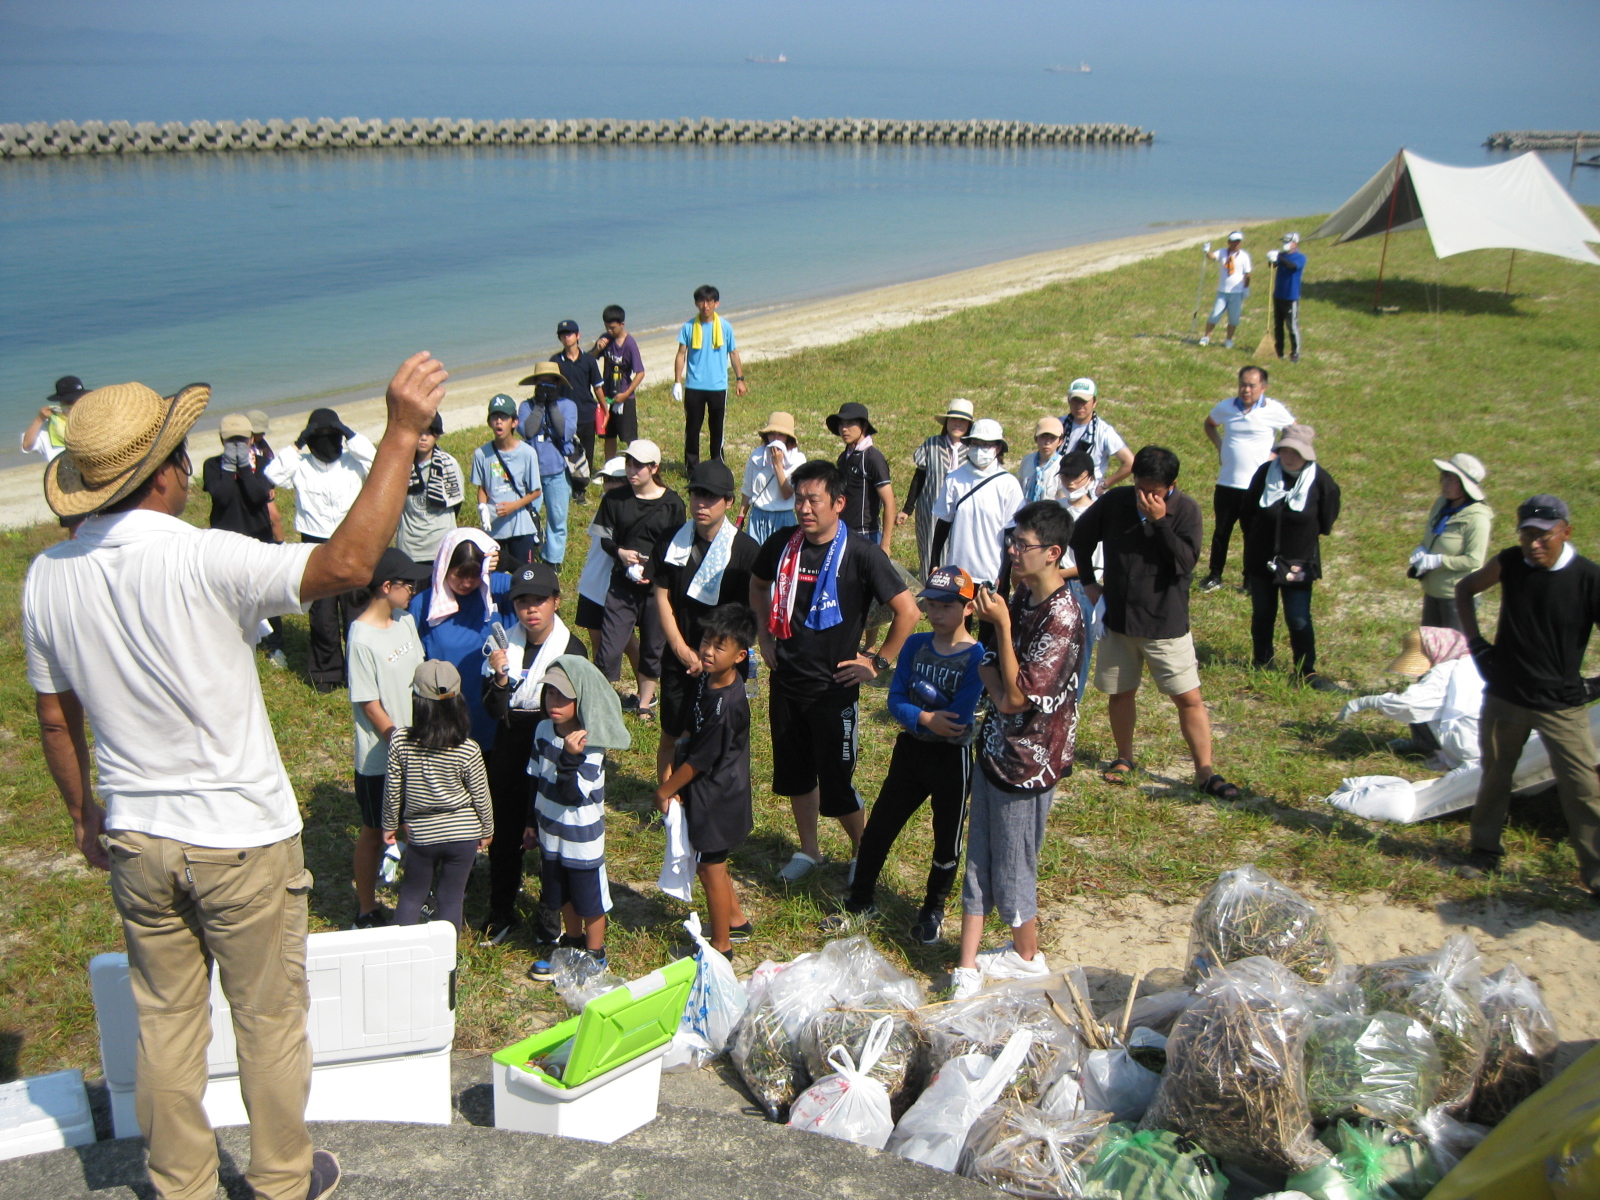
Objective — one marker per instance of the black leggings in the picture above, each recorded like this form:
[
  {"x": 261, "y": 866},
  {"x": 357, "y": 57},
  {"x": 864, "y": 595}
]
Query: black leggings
[
  {"x": 455, "y": 859},
  {"x": 695, "y": 404},
  {"x": 918, "y": 771}
]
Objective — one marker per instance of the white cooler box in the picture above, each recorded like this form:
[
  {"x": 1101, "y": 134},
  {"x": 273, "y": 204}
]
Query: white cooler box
[{"x": 382, "y": 1022}]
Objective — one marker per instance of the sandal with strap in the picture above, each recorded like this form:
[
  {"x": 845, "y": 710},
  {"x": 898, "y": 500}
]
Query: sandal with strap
[
  {"x": 1220, "y": 788},
  {"x": 1118, "y": 771}
]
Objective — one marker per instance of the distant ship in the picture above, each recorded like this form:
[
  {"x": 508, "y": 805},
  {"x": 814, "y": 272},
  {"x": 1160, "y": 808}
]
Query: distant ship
[
  {"x": 1081, "y": 69},
  {"x": 761, "y": 58}
]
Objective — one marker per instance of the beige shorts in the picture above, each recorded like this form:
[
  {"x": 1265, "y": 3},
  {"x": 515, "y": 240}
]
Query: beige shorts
[{"x": 1119, "y": 663}]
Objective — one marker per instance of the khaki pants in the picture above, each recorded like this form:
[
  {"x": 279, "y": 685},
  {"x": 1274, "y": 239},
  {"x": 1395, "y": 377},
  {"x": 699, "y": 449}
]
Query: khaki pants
[
  {"x": 1503, "y": 729},
  {"x": 182, "y": 907}
]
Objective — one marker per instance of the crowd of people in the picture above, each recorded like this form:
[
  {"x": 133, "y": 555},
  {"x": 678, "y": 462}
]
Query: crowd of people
[{"x": 482, "y": 720}]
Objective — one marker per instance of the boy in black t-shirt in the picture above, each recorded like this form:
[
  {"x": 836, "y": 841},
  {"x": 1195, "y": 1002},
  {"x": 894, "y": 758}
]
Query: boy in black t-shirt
[
  {"x": 869, "y": 496},
  {"x": 1533, "y": 682},
  {"x": 712, "y": 776}
]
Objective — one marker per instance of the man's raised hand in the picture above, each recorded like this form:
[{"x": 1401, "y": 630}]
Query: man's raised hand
[{"x": 415, "y": 392}]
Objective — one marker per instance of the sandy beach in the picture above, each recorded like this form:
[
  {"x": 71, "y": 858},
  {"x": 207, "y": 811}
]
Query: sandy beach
[{"x": 764, "y": 333}]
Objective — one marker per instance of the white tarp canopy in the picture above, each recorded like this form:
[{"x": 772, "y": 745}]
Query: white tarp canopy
[{"x": 1516, "y": 205}]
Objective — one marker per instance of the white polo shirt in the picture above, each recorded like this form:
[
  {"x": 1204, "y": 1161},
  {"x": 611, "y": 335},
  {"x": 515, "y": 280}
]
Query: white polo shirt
[
  {"x": 1232, "y": 281},
  {"x": 151, "y": 622},
  {"x": 976, "y": 541},
  {"x": 1247, "y": 437},
  {"x": 323, "y": 492}
]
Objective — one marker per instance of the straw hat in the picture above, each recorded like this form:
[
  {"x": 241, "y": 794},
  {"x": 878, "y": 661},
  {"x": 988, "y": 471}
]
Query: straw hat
[
  {"x": 959, "y": 408},
  {"x": 116, "y": 438},
  {"x": 545, "y": 372},
  {"x": 779, "y": 422},
  {"x": 1411, "y": 660},
  {"x": 1300, "y": 438},
  {"x": 1466, "y": 468}
]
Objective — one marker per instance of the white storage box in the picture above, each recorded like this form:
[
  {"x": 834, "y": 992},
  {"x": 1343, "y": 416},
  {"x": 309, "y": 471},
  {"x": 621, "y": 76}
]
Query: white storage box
[
  {"x": 601, "y": 1110},
  {"x": 382, "y": 1023},
  {"x": 47, "y": 1112}
]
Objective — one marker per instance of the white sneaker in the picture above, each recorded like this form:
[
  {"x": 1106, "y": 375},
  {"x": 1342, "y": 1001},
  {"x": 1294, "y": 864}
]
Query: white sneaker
[
  {"x": 1006, "y": 963},
  {"x": 965, "y": 982},
  {"x": 798, "y": 867},
  {"x": 1206, "y": 340},
  {"x": 278, "y": 660},
  {"x": 1227, "y": 344}
]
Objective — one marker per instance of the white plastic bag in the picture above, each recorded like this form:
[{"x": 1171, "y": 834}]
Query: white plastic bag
[
  {"x": 716, "y": 1003},
  {"x": 1112, "y": 1082},
  {"x": 935, "y": 1128},
  {"x": 850, "y": 1105},
  {"x": 677, "y": 864}
]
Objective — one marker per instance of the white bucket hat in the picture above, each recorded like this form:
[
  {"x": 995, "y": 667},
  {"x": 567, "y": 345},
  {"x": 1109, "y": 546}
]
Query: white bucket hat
[
  {"x": 987, "y": 429},
  {"x": 1466, "y": 468}
]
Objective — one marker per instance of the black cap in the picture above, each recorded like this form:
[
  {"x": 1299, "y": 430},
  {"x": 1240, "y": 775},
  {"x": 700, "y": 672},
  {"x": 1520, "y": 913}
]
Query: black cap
[
  {"x": 851, "y": 412},
  {"x": 68, "y": 389},
  {"x": 537, "y": 579},
  {"x": 712, "y": 475},
  {"x": 1543, "y": 511},
  {"x": 396, "y": 564},
  {"x": 567, "y": 326}
]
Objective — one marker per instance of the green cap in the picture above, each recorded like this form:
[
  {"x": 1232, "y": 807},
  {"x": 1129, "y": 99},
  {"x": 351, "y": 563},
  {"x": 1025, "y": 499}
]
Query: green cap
[{"x": 503, "y": 406}]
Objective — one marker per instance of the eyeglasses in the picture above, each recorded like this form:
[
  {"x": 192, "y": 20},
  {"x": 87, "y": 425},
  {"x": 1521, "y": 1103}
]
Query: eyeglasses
[
  {"x": 1532, "y": 533},
  {"x": 1020, "y": 546}
]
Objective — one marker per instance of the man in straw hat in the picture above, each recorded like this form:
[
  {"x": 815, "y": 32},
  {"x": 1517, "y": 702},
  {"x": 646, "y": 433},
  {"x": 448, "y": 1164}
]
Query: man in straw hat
[
  {"x": 143, "y": 624},
  {"x": 1549, "y": 606}
]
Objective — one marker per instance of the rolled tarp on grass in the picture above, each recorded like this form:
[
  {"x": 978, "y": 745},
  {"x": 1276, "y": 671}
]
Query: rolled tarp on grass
[{"x": 1391, "y": 798}]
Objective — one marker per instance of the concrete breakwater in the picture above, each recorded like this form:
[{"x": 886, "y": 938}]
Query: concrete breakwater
[
  {"x": 1538, "y": 139},
  {"x": 119, "y": 137}
]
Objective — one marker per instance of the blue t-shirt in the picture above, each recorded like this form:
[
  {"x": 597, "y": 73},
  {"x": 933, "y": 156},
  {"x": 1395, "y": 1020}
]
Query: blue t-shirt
[
  {"x": 953, "y": 676},
  {"x": 707, "y": 368},
  {"x": 539, "y": 432},
  {"x": 488, "y": 474},
  {"x": 1291, "y": 265},
  {"x": 458, "y": 640}
]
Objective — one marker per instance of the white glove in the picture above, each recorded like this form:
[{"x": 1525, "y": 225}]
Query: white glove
[
  {"x": 677, "y": 392},
  {"x": 1206, "y": 247},
  {"x": 1427, "y": 562},
  {"x": 1349, "y": 710},
  {"x": 636, "y": 572},
  {"x": 1097, "y": 619},
  {"x": 1417, "y": 554},
  {"x": 1272, "y": 256}
]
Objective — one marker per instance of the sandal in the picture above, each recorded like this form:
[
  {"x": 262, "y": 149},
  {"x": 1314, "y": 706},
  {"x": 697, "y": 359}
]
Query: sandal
[
  {"x": 647, "y": 715},
  {"x": 1220, "y": 788},
  {"x": 1118, "y": 772}
]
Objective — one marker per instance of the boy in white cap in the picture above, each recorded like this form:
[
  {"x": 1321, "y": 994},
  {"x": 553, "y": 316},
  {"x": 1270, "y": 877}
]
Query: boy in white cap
[
  {"x": 1086, "y": 430},
  {"x": 1233, "y": 286}
]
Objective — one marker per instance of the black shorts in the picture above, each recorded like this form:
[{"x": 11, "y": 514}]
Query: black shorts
[
  {"x": 587, "y": 890},
  {"x": 814, "y": 746},
  {"x": 623, "y": 425},
  {"x": 369, "y": 800},
  {"x": 712, "y": 859},
  {"x": 589, "y": 615},
  {"x": 678, "y": 690}
]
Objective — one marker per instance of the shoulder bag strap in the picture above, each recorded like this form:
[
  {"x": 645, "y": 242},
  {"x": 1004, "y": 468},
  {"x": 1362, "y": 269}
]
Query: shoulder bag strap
[{"x": 981, "y": 485}]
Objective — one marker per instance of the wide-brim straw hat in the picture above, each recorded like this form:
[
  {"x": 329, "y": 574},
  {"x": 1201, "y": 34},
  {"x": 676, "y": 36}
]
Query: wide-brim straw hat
[
  {"x": 1411, "y": 660},
  {"x": 959, "y": 408},
  {"x": 542, "y": 372},
  {"x": 1300, "y": 438},
  {"x": 116, "y": 438},
  {"x": 1466, "y": 468},
  {"x": 779, "y": 422}
]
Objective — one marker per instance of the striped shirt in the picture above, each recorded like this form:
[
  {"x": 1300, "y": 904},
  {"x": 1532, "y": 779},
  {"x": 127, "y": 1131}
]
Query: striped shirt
[
  {"x": 439, "y": 795},
  {"x": 569, "y": 801}
]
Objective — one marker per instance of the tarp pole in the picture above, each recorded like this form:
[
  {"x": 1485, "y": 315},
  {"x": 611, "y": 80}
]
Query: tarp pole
[
  {"x": 1394, "y": 194},
  {"x": 1510, "y": 265}
]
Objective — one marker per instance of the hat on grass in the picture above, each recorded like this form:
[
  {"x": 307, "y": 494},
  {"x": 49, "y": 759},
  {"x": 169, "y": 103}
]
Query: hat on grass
[
  {"x": 557, "y": 678},
  {"x": 959, "y": 408},
  {"x": 545, "y": 372},
  {"x": 1543, "y": 511},
  {"x": 988, "y": 430},
  {"x": 1300, "y": 438},
  {"x": 503, "y": 406},
  {"x": 779, "y": 422},
  {"x": 234, "y": 425},
  {"x": 712, "y": 475},
  {"x": 1466, "y": 468},
  {"x": 396, "y": 564},
  {"x": 436, "y": 679},
  {"x": 536, "y": 579},
  {"x": 116, "y": 438},
  {"x": 615, "y": 468},
  {"x": 851, "y": 412},
  {"x": 1050, "y": 425},
  {"x": 643, "y": 450},
  {"x": 949, "y": 583},
  {"x": 1236, "y": 236},
  {"x": 1082, "y": 389},
  {"x": 567, "y": 326},
  {"x": 258, "y": 420},
  {"x": 69, "y": 388}
]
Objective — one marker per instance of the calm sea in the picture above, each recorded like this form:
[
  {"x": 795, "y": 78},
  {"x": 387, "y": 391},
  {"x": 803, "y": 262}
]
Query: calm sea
[{"x": 277, "y": 277}]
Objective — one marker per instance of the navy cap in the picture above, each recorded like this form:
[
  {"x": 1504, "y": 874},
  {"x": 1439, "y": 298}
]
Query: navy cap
[
  {"x": 567, "y": 326},
  {"x": 712, "y": 475},
  {"x": 537, "y": 579},
  {"x": 396, "y": 564},
  {"x": 1543, "y": 511}
]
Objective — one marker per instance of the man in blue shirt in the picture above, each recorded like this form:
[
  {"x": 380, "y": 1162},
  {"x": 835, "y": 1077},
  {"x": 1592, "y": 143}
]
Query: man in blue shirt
[
  {"x": 549, "y": 423},
  {"x": 1289, "y": 265},
  {"x": 700, "y": 374}
]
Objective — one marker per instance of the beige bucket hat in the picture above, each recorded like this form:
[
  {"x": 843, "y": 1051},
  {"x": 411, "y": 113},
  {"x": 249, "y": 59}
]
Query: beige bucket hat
[
  {"x": 116, "y": 438},
  {"x": 1468, "y": 469},
  {"x": 779, "y": 422}
]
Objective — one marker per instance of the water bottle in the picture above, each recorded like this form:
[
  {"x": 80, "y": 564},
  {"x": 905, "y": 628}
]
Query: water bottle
[{"x": 928, "y": 697}]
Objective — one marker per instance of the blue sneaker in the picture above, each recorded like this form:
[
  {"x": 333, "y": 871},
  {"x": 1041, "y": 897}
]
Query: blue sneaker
[{"x": 542, "y": 971}]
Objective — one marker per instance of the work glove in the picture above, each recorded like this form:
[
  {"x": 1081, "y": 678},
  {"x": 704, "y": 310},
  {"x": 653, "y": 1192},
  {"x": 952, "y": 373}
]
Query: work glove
[
  {"x": 1427, "y": 562},
  {"x": 677, "y": 392},
  {"x": 1206, "y": 248},
  {"x": 1272, "y": 257},
  {"x": 1359, "y": 704},
  {"x": 235, "y": 457}
]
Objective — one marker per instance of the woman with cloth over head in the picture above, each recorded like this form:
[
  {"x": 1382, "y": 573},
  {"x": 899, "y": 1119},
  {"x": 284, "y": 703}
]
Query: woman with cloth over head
[
  {"x": 766, "y": 489},
  {"x": 1290, "y": 505},
  {"x": 455, "y": 614},
  {"x": 1455, "y": 540}
]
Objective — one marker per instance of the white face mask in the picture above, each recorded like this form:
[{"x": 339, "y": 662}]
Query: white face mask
[
  {"x": 981, "y": 457},
  {"x": 1076, "y": 494}
]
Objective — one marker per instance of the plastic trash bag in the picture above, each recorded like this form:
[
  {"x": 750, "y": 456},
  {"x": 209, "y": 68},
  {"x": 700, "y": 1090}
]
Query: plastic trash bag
[
  {"x": 1064, "y": 1098},
  {"x": 1372, "y": 1161},
  {"x": 1028, "y": 1152},
  {"x": 985, "y": 1022},
  {"x": 716, "y": 1003},
  {"x": 1522, "y": 1043},
  {"x": 1235, "y": 1079},
  {"x": 1114, "y": 1082},
  {"x": 677, "y": 861},
  {"x": 1152, "y": 1164},
  {"x": 1247, "y": 913},
  {"x": 861, "y": 977},
  {"x": 1159, "y": 1011},
  {"x": 1384, "y": 1066},
  {"x": 934, "y": 1129},
  {"x": 1449, "y": 1140},
  {"x": 898, "y": 1066},
  {"x": 851, "y": 1104},
  {"x": 1442, "y": 990},
  {"x": 579, "y": 977}
]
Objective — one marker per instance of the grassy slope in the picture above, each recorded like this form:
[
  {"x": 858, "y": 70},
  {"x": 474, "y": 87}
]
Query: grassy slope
[{"x": 1461, "y": 367}]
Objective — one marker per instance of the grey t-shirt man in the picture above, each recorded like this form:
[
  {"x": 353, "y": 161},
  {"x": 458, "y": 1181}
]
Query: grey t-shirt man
[{"x": 382, "y": 662}]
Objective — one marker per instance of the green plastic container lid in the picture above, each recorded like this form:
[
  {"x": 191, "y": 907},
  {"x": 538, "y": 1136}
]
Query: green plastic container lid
[{"x": 613, "y": 1029}]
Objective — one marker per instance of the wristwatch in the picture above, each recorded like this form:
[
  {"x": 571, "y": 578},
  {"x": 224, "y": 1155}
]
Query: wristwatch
[{"x": 879, "y": 662}]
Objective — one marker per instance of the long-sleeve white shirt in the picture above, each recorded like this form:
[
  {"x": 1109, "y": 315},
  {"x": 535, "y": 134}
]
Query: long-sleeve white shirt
[
  {"x": 323, "y": 492},
  {"x": 1447, "y": 699}
]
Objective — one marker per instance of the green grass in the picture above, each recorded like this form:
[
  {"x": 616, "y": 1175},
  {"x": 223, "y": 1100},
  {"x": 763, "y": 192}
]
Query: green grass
[{"x": 1461, "y": 367}]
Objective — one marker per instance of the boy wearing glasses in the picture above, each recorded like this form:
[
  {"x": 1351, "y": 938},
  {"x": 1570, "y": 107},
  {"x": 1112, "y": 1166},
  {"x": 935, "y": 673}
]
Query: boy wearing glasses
[
  {"x": 385, "y": 652},
  {"x": 1549, "y": 606},
  {"x": 1025, "y": 748}
]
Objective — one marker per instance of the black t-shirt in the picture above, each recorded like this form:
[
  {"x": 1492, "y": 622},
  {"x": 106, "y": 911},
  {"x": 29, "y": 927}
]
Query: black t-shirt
[
  {"x": 636, "y": 524},
  {"x": 583, "y": 376},
  {"x": 808, "y": 658},
  {"x": 1546, "y": 618},
  {"x": 716, "y": 802},
  {"x": 865, "y": 471},
  {"x": 688, "y": 611}
]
